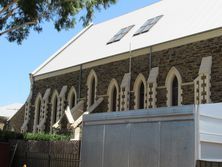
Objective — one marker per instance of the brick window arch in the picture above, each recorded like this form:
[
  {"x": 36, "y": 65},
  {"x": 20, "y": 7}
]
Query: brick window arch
[
  {"x": 72, "y": 97},
  {"x": 139, "y": 89},
  {"x": 141, "y": 96},
  {"x": 92, "y": 88},
  {"x": 113, "y": 96},
  {"x": 175, "y": 92},
  {"x": 54, "y": 108},
  {"x": 173, "y": 85},
  {"x": 38, "y": 105}
]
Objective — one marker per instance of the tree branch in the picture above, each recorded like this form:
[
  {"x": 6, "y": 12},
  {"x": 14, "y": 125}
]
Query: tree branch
[
  {"x": 8, "y": 6},
  {"x": 17, "y": 27},
  {"x": 10, "y": 13}
]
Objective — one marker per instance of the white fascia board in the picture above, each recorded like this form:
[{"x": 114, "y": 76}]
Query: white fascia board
[{"x": 61, "y": 49}]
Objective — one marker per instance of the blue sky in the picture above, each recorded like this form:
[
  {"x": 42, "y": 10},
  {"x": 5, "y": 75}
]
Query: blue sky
[{"x": 17, "y": 61}]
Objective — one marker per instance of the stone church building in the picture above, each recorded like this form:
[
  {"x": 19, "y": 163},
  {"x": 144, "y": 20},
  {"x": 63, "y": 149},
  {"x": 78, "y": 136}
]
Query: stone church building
[{"x": 166, "y": 54}]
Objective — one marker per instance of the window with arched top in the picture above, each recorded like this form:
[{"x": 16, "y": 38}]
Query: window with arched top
[
  {"x": 38, "y": 110},
  {"x": 72, "y": 97},
  {"x": 54, "y": 107},
  {"x": 175, "y": 92},
  {"x": 139, "y": 89},
  {"x": 141, "y": 96},
  {"x": 92, "y": 88},
  {"x": 173, "y": 86},
  {"x": 113, "y": 96},
  {"x": 38, "y": 104},
  {"x": 55, "y": 104}
]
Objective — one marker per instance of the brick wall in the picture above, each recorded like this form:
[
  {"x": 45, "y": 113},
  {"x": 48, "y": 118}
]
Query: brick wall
[{"x": 186, "y": 59}]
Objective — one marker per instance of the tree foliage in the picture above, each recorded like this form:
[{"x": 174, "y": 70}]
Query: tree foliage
[{"x": 18, "y": 17}]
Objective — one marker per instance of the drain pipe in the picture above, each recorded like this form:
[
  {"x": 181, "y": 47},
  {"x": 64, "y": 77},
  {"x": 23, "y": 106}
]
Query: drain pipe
[
  {"x": 80, "y": 83},
  {"x": 130, "y": 56},
  {"x": 130, "y": 68},
  {"x": 150, "y": 58}
]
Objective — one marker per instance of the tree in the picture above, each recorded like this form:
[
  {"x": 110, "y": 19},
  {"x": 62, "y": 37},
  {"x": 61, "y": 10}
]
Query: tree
[{"x": 18, "y": 17}]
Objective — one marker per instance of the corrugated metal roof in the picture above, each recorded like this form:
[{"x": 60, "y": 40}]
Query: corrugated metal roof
[
  {"x": 9, "y": 110},
  {"x": 181, "y": 18}
]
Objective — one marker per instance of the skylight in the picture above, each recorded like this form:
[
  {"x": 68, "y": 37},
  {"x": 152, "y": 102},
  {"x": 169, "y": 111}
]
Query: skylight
[
  {"x": 120, "y": 34},
  {"x": 148, "y": 25}
]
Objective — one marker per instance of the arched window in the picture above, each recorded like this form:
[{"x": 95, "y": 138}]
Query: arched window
[
  {"x": 38, "y": 104},
  {"x": 54, "y": 107},
  {"x": 140, "y": 92},
  {"x": 93, "y": 89},
  {"x": 175, "y": 92},
  {"x": 92, "y": 85},
  {"x": 72, "y": 97},
  {"x": 113, "y": 96},
  {"x": 173, "y": 85},
  {"x": 38, "y": 110},
  {"x": 141, "y": 96}
]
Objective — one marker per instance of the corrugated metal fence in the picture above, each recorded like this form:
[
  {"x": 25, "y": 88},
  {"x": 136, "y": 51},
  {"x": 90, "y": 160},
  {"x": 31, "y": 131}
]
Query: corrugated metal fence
[
  {"x": 47, "y": 154},
  {"x": 60, "y": 154},
  {"x": 208, "y": 164}
]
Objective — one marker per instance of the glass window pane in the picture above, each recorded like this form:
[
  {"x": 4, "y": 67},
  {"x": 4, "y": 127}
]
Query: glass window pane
[
  {"x": 120, "y": 34},
  {"x": 148, "y": 25},
  {"x": 175, "y": 92},
  {"x": 141, "y": 96}
]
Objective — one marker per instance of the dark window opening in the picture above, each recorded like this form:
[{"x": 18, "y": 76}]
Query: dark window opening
[
  {"x": 72, "y": 101},
  {"x": 141, "y": 96},
  {"x": 93, "y": 89},
  {"x": 175, "y": 92},
  {"x": 114, "y": 99},
  {"x": 38, "y": 111},
  {"x": 55, "y": 109}
]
